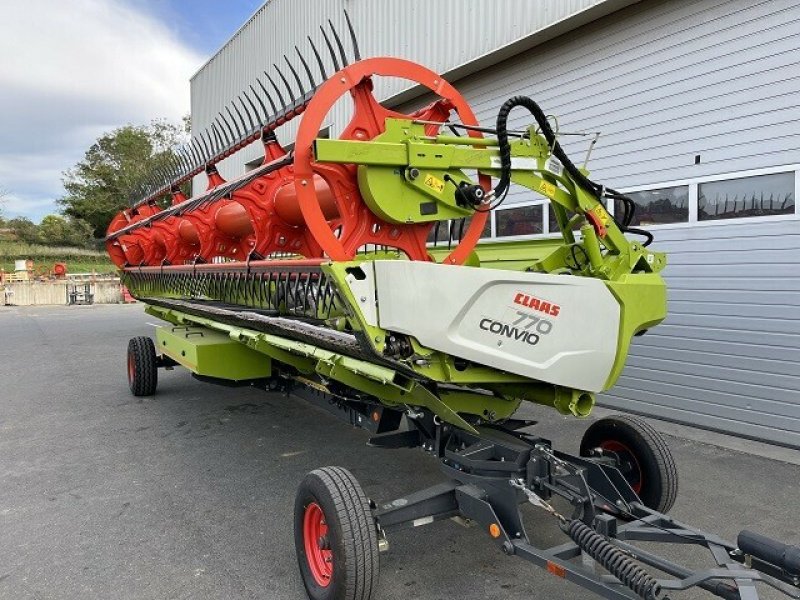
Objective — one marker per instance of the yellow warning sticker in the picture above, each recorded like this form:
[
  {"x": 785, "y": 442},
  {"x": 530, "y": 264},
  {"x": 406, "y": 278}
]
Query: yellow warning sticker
[
  {"x": 548, "y": 189},
  {"x": 602, "y": 215},
  {"x": 434, "y": 183}
]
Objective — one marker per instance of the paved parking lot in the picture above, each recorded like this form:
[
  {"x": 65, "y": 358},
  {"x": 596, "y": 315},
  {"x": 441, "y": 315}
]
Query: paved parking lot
[{"x": 189, "y": 494}]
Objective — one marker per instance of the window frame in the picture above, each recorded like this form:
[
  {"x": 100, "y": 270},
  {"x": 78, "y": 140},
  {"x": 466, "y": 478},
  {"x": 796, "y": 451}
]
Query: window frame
[
  {"x": 694, "y": 183},
  {"x": 543, "y": 202}
]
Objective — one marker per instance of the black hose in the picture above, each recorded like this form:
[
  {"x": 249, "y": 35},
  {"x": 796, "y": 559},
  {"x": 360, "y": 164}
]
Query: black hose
[
  {"x": 596, "y": 190},
  {"x": 643, "y": 232},
  {"x": 549, "y": 135},
  {"x": 620, "y": 565}
]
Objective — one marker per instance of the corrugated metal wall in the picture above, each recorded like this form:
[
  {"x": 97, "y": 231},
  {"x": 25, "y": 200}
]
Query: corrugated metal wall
[
  {"x": 442, "y": 35},
  {"x": 728, "y": 355},
  {"x": 666, "y": 81}
]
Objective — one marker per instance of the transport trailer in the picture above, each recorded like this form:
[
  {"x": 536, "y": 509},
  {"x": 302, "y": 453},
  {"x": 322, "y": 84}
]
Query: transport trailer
[
  {"x": 347, "y": 272},
  {"x": 613, "y": 495}
]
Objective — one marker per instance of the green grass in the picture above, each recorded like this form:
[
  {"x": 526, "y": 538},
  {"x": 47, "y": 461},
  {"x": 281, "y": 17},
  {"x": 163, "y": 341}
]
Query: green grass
[{"x": 78, "y": 260}]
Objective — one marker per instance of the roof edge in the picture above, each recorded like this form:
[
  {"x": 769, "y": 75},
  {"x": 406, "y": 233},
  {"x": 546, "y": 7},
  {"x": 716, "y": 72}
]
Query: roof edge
[
  {"x": 229, "y": 40},
  {"x": 526, "y": 42}
]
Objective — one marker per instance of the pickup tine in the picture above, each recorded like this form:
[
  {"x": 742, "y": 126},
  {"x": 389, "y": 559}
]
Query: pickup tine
[
  {"x": 277, "y": 91},
  {"x": 296, "y": 76},
  {"x": 235, "y": 124},
  {"x": 269, "y": 98},
  {"x": 203, "y": 157},
  {"x": 353, "y": 39},
  {"x": 247, "y": 112},
  {"x": 261, "y": 103},
  {"x": 198, "y": 156},
  {"x": 220, "y": 142},
  {"x": 181, "y": 160},
  {"x": 211, "y": 144},
  {"x": 187, "y": 159},
  {"x": 330, "y": 49},
  {"x": 177, "y": 163},
  {"x": 222, "y": 131},
  {"x": 253, "y": 106},
  {"x": 241, "y": 118},
  {"x": 338, "y": 41},
  {"x": 228, "y": 127},
  {"x": 319, "y": 59},
  {"x": 160, "y": 177},
  {"x": 306, "y": 67},
  {"x": 286, "y": 83},
  {"x": 206, "y": 146},
  {"x": 172, "y": 169}
]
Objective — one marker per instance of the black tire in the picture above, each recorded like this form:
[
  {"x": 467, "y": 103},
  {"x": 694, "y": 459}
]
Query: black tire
[
  {"x": 349, "y": 538},
  {"x": 142, "y": 368},
  {"x": 644, "y": 458}
]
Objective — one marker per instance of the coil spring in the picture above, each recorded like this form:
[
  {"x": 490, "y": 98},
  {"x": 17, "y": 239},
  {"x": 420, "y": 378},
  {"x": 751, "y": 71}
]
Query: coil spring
[{"x": 615, "y": 561}]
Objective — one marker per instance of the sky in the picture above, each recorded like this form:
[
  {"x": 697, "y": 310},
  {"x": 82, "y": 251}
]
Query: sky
[{"x": 72, "y": 71}]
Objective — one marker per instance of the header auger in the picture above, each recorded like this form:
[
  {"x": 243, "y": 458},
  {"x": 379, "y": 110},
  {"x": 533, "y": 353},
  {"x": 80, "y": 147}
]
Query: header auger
[{"x": 319, "y": 274}]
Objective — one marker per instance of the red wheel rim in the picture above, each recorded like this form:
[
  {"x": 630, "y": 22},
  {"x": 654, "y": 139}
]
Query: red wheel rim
[
  {"x": 131, "y": 367},
  {"x": 317, "y": 545},
  {"x": 634, "y": 475}
]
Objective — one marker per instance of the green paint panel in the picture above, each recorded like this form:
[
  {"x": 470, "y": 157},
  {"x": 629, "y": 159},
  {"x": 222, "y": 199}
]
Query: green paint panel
[{"x": 212, "y": 353}]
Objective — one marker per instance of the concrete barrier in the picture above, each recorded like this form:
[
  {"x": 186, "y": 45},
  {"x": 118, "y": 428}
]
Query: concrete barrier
[{"x": 29, "y": 293}]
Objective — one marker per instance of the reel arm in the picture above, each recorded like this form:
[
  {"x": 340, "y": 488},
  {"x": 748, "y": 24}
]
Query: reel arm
[{"x": 432, "y": 178}]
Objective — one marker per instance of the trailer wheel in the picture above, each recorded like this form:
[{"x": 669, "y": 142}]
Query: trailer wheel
[
  {"x": 643, "y": 457},
  {"x": 335, "y": 536},
  {"x": 142, "y": 367}
]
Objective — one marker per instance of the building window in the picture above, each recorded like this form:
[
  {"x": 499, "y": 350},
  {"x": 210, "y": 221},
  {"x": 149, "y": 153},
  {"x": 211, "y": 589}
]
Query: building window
[
  {"x": 554, "y": 224},
  {"x": 524, "y": 220},
  {"x": 746, "y": 197},
  {"x": 487, "y": 228},
  {"x": 657, "y": 207},
  {"x": 442, "y": 235}
]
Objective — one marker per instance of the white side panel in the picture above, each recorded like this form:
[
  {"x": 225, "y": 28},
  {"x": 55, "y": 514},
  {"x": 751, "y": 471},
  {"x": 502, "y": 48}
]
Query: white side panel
[{"x": 555, "y": 328}]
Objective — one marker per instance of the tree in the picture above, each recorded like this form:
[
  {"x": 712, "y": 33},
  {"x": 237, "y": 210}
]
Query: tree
[
  {"x": 25, "y": 229},
  {"x": 105, "y": 180},
  {"x": 55, "y": 230}
]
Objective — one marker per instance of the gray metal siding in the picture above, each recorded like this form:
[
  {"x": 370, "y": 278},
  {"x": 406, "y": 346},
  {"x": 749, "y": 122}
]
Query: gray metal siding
[
  {"x": 663, "y": 82},
  {"x": 728, "y": 355},
  {"x": 442, "y": 35}
]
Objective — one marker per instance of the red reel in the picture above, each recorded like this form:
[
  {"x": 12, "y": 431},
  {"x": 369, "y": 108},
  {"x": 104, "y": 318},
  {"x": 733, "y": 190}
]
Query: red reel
[
  {"x": 129, "y": 249},
  {"x": 360, "y": 226},
  {"x": 304, "y": 208}
]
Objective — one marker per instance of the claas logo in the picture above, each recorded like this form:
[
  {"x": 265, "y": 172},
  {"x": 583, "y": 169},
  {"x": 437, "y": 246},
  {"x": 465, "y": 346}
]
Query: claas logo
[{"x": 538, "y": 304}]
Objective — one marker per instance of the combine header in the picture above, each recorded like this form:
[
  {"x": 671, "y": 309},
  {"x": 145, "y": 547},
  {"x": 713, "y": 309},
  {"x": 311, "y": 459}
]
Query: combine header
[{"x": 347, "y": 272}]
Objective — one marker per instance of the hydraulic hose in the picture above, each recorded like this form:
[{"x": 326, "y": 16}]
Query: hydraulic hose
[
  {"x": 597, "y": 190},
  {"x": 619, "y": 564}
]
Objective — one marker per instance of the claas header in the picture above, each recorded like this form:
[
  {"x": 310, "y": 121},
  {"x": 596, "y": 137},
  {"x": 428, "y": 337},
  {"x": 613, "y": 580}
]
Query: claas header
[{"x": 324, "y": 273}]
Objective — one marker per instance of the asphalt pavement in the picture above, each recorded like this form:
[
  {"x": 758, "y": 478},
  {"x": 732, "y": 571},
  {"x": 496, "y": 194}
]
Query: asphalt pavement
[{"x": 189, "y": 494}]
